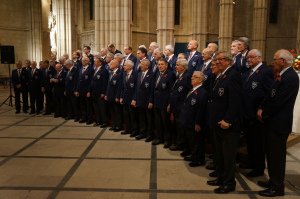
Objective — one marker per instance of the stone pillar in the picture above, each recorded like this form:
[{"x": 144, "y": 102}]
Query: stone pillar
[
  {"x": 260, "y": 9},
  {"x": 112, "y": 23},
  {"x": 225, "y": 24},
  {"x": 64, "y": 22},
  {"x": 298, "y": 33},
  {"x": 200, "y": 22},
  {"x": 165, "y": 22},
  {"x": 35, "y": 34}
]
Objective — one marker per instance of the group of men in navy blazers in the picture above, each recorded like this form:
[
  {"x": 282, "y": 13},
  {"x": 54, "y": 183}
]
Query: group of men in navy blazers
[{"x": 177, "y": 101}]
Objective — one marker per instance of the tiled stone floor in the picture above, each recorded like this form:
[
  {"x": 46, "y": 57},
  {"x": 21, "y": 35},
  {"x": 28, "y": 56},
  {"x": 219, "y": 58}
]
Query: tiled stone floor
[{"x": 44, "y": 157}]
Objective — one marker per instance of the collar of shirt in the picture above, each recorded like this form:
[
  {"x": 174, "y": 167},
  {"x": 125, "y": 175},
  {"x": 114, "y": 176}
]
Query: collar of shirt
[
  {"x": 207, "y": 62},
  {"x": 225, "y": 70},
  {"x": 244, "y": 54},
  {"x": 129, "y": 73},
  {"x": 193, "y": 53},
  {"x": 71, "y": 68},
  {"x": 194, "y": 88},
  {"x": 145, "y": 72},
  {"x": 283, "y": 71},
  {"x": 170, "y": 57},
  {"x": 256, "y": 67},
  {"x": 127, "y": 56},
  {"x": 114, "y": 71},
  {"x": 85, "y": 67}
]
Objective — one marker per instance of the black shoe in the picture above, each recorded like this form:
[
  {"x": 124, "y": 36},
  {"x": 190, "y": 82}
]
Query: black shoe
[
  {"x": 166, "y": 145},
  {"x": 211, "y": 156},
  {"x": 32, "y": 112},
  {"x": 184, "y": 153},
  {"x": 211, "y": 167},
  {"x": 96, "y": 124},
  {"x": 47, "y": 113},
  {"x": 215, "y": 182},
  {"x": 213, "y": 174},
  {"x": 56, "y": 116},
  {"x": 174, "y": 147},
  {"x": 244, "y": 166},
  {"x": 25, "y": 111},
  {"x": 76, "y": 120},
  {"x": 82, "y": 121},
  {"x": 255, "y": 173},
  {"x": 38, "y": 112},
  {"x": 104, "y": 125},
  {"x": 272, "y": 192},
  {"x": 196, "y": 164},
  {"x": 265, "y": 184},
  {"x": 125, "y": 132},
  {"x": 89, "y": 122},
  {"x": 134, "y": 134},
  {"x": 188, "y": 158},
  {"x": 111, "y": 128},
  {"x": 149, "y": 139},
  {"x": 140, "y": 136},
  {"x": 156, "y": 142},
  {"x": 117, "y": 129},
  {"x": 224, "y": 189},
  {"x": 17, "y": 112}
]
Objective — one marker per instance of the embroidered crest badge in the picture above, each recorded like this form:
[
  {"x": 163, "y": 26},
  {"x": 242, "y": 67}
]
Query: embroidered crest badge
[
  {"x": 86, "y": 76},
  {"x": 180, "y": 88},
  {"x": 193, "y": 101},
  {"x": 254, "y": 85},
  {"x": 70, "y": 77},
  {"x": 114, "y": 82},
  {"x": 163, "y": 85},
  {"x": 193, "y": 63},
  {"x": 221, "y": 92},
  {"x": 131, "y": 85},
  {"x": 98, "y": 76},
  {"x": 273, "y": 92},
  {"x": 146, "y": 84}
]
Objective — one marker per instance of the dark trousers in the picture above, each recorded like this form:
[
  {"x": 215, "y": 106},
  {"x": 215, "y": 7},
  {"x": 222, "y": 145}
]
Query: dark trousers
[
  {"x": 226, "y": 146},
  {"x": 193, "y": 143},
  {"x": 35, "y": 101},
  {"x": 18, "y": 92},
  {"x": 130, "y": 118},
  {"x": 86, "y": 112},
  {"x": 255, "y": 137},
  {"x": 162, "y": 124},
  {"x": 73, "y": 111},
  {"x": 100, "y": 109},
  {"x": 49, "y": 101},
  {"x": 145, "y": 118},
  {"x": 276, "y": 157},
  {"x": 116, "y": 114},
  {"x": 59, "y": 104}
]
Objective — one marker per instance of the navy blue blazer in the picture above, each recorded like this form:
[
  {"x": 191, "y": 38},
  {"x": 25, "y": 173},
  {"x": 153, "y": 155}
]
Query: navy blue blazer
[
  {"x": 162, "y": 89},
  {"x": 47, "y": 74},
  {"x": 255, "y": 89},
  {"x": 34, "y": 84},
  {"x": 72, "y": 79},
  {"x": 226, "y": 99},
  {"x": 91, "y": 57},
  {"x": 172, "y": 63},
  {"x": 144, "y": 90},
  {"x": 114, "y": 84},
  {"x": 193, "y": 109},
  {"x": 84, "y": 80},
  {"x": 195, "y": 62},
  {"x": 278, "y": 107},
  {"x": 132, "y": 58},
  {"x": 208, "y": 76},
  {"x": 99, "y": 82},
  {"x": 180, "y": 89},
  {"x": 78, "y": 64},
  {"x": 240, "y": 64},
  {"x": 128, "y": 87},
  {"x": 59, "y": 87},
  {"x": 22, "y": 79}
]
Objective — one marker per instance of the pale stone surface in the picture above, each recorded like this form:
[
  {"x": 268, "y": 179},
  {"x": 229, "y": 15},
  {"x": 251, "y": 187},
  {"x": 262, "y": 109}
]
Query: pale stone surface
[
  {"x": 106, "y": 195},
  {"x": 23, "y": 194},
  {"x": 25, "y": 131},
  {"x": 8, "y": 146},
  {"x": 74, "y": 132}
]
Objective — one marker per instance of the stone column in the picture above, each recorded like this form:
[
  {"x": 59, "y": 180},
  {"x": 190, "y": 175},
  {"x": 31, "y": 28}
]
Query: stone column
[
  {"x": 298, "y": 33},
  {"x": 200, "y": 22},
  {"x": 112, "y": 23},
  {"x": 35, "y": 34},
  {"x": 165, "y": 22},
  {"x": 260, "y": 9},
  {"x": 225, "y": 24},
  {"x": 65, "y": 22}
]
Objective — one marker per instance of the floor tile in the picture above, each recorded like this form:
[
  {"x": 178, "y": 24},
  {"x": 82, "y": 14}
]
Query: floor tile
[
  {"x": 167, "y": 154},
  {"x": 61, "y": 148},
  {"x": 106, "y": 195},
  {"x": 25, "y": 131},
  {"x": 8, "y": 146},
  {"x": 35, "y": 172},
  {"x": 71, "y": 132},
  {"x": 11, "y": 120},
  {"x": 121, "y": 149},
  {"x": 233, "y": 195},
  {"x": 26, "y": 194},
  {"x": 122, "y": 174},
  {"x": 116, "y": 135},
  {"x": 43, "y": 121}
]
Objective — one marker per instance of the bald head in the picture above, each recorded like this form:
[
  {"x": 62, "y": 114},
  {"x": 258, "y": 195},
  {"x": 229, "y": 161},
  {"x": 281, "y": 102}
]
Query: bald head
[{"x": 193, "y": 45}]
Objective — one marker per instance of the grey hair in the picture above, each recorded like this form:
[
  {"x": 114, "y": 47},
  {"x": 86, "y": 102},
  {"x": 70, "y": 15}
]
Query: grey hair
[
  {"x": 154, "y": 44},
  {"x": 62, "y": 58},
  {"x": 245, "y": 40},
  {"x": 256, "y": 52},
  {"x": 208, "y": 51},
  {"x": 226, "y": 55},
  {"x": 286, "y": 55},
  {"x": 110, "y": 55},
  {"x": 68, "y": 61},
  {"x": 158, "y": 50},
  {"x": 85, "y": 58},
  {"x": 214, "y": 45},
  {"x": 200, "y": 74},
  {"x": 129, "y": 62},
  {"x": 183, "y": 62},
  {"x": 146, "y": 61},
  {"x": 170, "y": 48},
  {"x": 119, "y": 55}
]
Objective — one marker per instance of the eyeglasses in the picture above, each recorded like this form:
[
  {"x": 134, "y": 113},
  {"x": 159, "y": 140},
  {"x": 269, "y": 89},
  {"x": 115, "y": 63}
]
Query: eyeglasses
[
  {"x": 252, "y": 57},
  {"x": 194, "y": 77},
  {"x": 278, "y": 59},
  {"x": 219, "y": 59}
]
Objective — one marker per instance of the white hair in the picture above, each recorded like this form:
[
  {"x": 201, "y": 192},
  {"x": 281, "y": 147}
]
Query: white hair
[
  {"x": 286, "y": 55},
  {"x": 129, "y": 62},
  {"x": 182, "y": 62},
  {"x": 170, "y": 48}
]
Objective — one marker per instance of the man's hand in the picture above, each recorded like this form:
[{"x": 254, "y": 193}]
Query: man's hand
[
  {"x": 224, "y": 125},
  {"x": 197, "y": 128},
  {"x": 133, "y": 103},
  {"x": 76, "y": 94},
  {"x": 88, "y": 94},
  {"x": 150, "y": 106},
  {"x": 121, "y": 100},
  {"x": 259, "y": 114}
]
